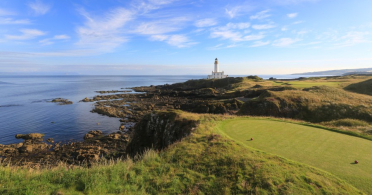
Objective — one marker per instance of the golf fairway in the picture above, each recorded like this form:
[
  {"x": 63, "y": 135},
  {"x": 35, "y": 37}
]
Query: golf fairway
[{"x": 330, "y": 151}]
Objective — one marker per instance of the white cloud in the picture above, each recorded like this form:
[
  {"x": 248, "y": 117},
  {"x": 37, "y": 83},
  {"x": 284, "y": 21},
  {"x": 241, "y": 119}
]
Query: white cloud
[
  {"x": 205, "y": 22},
  {"x": 174, "y": 40},
  {"x": 26, "y": 34},
  {"x": 261, "y": 15},
  {"x": 159, "y": 37},
  {"x": 61, "y": 37},
  {"x": 292, "y": 15},
  {"x": 284, "y": 42},
  {"x": 260, "y": 43},
  {"x": 4, "y": 12},
  {"x": 161, "y": 26},
  {"x": 354, "y": 37},
  {"x": 235, "y": 32},
  {"x": 104, "y": 32},
  {"x": 180, "y": 41},
  {"x": 298, "y": 22},
  {"x": 263, "y": 26},
  {"x": 39, "y": 7},
  {"x": 145, "y": 6},
  {"x": 51, "y": 40},
  {"x": 253, "y": 37},
  {"x": 284, "y": 28},
  {"x": 12, "y": 21},
  {"x": 242, "y": 25},
  {"x": 285, "y": 2},
  {"x": 233, "y": 26},
  {"x": 235, "y": 36},
  {"x": 233, "y": 11}
]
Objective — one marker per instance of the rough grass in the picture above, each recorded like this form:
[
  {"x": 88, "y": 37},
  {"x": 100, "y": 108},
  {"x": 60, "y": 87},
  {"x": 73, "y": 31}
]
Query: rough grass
[
  {"x": 364, "y": 87},
  {"x": 316, "y": 104},
  {"x": 307, "y": 83},
  {"x": 347, "y": 123},
  {"x": 204, "y": 162},
  {"x": 330, "y": 151}
]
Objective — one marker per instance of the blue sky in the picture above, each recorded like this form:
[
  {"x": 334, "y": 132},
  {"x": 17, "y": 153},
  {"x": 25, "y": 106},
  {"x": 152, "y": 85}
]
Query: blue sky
[{"x": 126, "y": 37}]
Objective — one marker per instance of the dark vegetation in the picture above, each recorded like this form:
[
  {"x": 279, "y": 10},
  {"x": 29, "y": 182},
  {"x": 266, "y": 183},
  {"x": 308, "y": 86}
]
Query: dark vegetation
[{"x": 364, "y": 87}]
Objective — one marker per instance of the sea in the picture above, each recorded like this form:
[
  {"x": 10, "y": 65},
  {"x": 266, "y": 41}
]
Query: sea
[{"x": 25, "y": 105}]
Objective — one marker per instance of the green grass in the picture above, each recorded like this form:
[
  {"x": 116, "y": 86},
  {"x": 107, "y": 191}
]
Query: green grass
[
  {"x": 327, "y": 150},
  {"x": 203, "y": 163}
]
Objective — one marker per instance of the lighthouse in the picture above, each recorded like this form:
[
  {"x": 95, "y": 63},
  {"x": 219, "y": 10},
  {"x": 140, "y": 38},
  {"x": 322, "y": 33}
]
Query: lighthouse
[{"x": 216, "y": 74}]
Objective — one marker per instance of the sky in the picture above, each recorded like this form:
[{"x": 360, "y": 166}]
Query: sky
[{"x": 183, "y": 37}]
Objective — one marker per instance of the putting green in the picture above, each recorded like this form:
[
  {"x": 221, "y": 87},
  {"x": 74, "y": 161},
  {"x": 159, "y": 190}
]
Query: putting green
[{"x": 327, "y": 150}]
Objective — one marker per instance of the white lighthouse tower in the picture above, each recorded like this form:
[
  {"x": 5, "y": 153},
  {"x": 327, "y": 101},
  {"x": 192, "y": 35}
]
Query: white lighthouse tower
[{"x": 215, "y": 73}]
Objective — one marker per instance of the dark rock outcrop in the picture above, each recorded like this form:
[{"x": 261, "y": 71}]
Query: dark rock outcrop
[{"x": 158, "y": 130}]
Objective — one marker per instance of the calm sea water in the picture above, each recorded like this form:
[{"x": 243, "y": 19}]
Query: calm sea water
[{"x": 24, "y": 106}]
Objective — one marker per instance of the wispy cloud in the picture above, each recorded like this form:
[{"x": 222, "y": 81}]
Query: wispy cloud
[
  {"x": 26, "y": 34},
  {"x": 285, "y": 42},
  {"x": 13, "y": 21},
  {"x": 161, "y": 26},
  {"x": 286, "y": 2},
  {"x": 179, "y": 41},
  {"x": 260, "y": 43},
  {"x": 104, "y": 32},
  {"x": 263, "y": 26},
  {"x": 145, "y": 6},
  {"x": 207, "y": 22},
  {"x": 292, "y": 15},
  {"x": 353, "y": 38},
  {"x": 39, "y": 7},
  {"x": 4, "y": 12},
  {"x": 237, "y": 10},
  {"x": 51, "y": 40},
  {"x": 261, "y": 15},
  {"x": 235, "y": 36}
]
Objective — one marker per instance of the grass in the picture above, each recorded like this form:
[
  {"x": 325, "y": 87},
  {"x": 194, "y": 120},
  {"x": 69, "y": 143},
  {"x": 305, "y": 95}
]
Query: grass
[
  {"x": 307, "y": 83},
  {"x": 205, "y": 162},
  {"x": 364, "y": 87},
  {"x": 327, "y": 150}
]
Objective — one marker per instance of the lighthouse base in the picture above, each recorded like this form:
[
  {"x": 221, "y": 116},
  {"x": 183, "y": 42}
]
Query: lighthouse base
[{"x": 217, "y": 75}]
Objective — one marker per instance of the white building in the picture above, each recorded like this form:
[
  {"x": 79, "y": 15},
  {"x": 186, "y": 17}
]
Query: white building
[{"x": 215, "y": 73}]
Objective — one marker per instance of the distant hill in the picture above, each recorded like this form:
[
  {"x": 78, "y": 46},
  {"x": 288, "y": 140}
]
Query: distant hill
[{"x": 339, "y": 72}]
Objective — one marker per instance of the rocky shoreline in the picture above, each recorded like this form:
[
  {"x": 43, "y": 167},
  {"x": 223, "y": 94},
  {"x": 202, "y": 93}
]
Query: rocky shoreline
[{"x": 198, "y": 96}]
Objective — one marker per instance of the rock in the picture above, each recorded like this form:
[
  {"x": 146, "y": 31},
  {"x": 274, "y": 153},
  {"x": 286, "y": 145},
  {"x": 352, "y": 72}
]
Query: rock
[
  {"x": 122, "y": 127},
  {"x": 92, "y": 134},
  {"x": 30, "y": 136},
  {"x": 114, "y": 136},
  {"x": 50, "y": 140},
  {"x": 95, "y": 132},
  {"x": 62, "y": 101},
  {"x": 26, "y": 149},
  {"x": 9, "y": 150},
  {"x": 88, "y": 136},
  {"x": 90, "y": 153}
]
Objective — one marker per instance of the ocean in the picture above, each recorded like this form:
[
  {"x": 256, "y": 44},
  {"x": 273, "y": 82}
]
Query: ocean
[{"x": 25, "y": 106}]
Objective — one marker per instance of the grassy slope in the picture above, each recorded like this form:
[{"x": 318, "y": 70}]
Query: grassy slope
[
  {"x": 364, "y": 87},
  {"x": 203, "y": 162},
  {"x": 308, "y": 83},
  {"x": 330, "y": 151}
]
